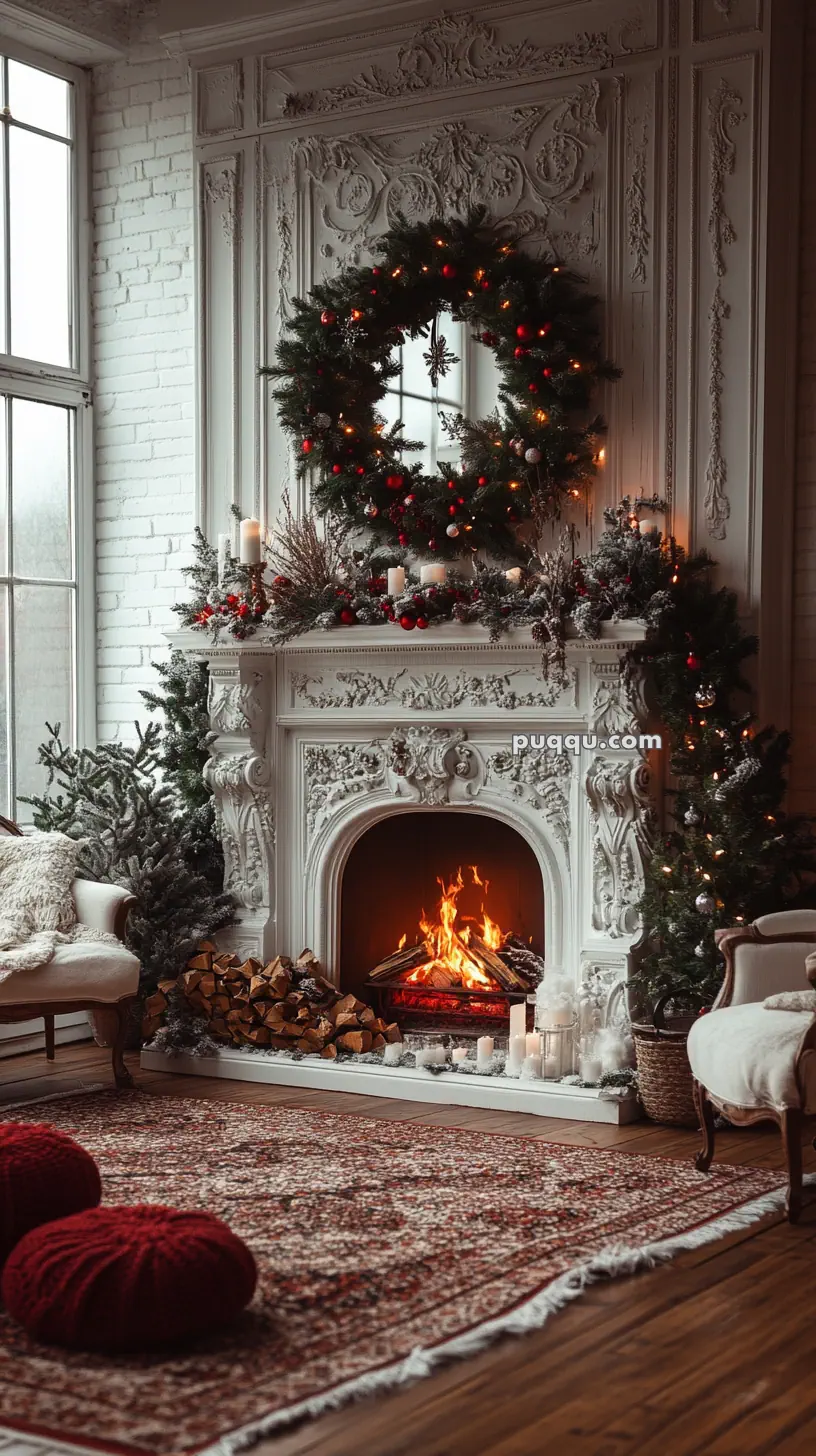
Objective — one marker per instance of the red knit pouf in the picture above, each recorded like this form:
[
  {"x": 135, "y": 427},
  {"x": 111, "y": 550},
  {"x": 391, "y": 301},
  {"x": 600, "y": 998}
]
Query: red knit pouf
[
  {"x": 116, "y": 1279},
  {"x": 43, "y": 1175}
]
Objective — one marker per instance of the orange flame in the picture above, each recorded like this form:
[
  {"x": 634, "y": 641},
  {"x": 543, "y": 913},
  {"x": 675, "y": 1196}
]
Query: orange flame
[{"x": 447, "y": 944}]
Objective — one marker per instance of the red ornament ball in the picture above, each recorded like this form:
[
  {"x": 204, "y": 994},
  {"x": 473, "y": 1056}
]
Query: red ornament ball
[
  {"x": 403, "y": 539},
  {"x": 485, "y": 284},
  {"x": 361, "y": 470},
  {"x": 422, "y": 623},
  {"x": 307, "y": 446},
  {"x": 433, "y": 545},
  {"x": 533, "y": 388},
  {"x": 693, "y": 663},
  {"x": 489, "y": 338},
  {"x": 44, "y": 1175},
  {"x": 482, "y": 480},
  {"x": 347, "y": 617},
  {"x": 525, "y": 331},
  {"x": 448, "y": 270},
  {"x": 337, "y": 469},
  {"x": 520, "y": 353},
  {"x": 407, "y": 623},
  {"x": 547, "y": 373},
  {"x": 327, "y": 317},
  {"x": 395, "y": 482},
  {"x": 118, "y": 1279}
]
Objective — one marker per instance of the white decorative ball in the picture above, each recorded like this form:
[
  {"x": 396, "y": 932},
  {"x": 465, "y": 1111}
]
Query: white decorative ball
[
  {"x": 452, "y": 529},
  {"x": 322, "y": 421},
  {"x": 533, "y": 455},
  {"x": 705, "y": 903}
]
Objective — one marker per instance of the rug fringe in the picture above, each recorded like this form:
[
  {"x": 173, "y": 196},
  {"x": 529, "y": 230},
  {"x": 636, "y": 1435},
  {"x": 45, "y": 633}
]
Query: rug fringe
[
  {"x": 611, "y": 1263},
  {"x": 52, "y": 1097}
]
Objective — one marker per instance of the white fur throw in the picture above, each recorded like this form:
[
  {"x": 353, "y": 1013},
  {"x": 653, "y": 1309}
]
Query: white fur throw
[
  {"x": 37, "y": 911},
  {"x": 791, "y": 1001}
]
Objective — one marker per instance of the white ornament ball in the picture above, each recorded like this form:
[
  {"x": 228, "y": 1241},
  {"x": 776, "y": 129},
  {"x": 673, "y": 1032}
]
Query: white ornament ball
[
  {"x": 452, "y": 529},
  {"x": 705, "y": 903},
  {"x": 691, "y": 817},
  {"x": 700, "y": 951},
  {"x": 519, "y": 447},
  {"x": 533, "y": 455},
  {"x": 371, "y": 510},
  {"x": 706, "y": 695},
  {"x": 322, "y": 421}
]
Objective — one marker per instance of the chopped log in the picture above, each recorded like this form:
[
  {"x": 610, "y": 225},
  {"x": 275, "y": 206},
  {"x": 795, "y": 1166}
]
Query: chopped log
[
  {"x": 392, "y": 1032},
  {"x": 349, "y": 1003},
  {"x": 290, "y": 1029},
  {"x": 218, "y": 1027},
  {"x": 367, "y": 1016},
  {"x": 207, "y": 945},
  {"x": 329, "y": 1052},
  {"x": 207, "y": 984},
  {"x": 257, "y": 987},
  {"x": 355, "y": 1041},
  {"x": 274, "y": 1016},
  {"x": 377, "y": 1026},
  {"x": 258, "y": 1036},
  {"x": 227, "y": 960},
  {"x": 400, "y": 963},
  {"x": 378, "y": 1043},
  {"x": 324, "y": 1028},
  {"x": 200, "y": 962},
  {"x": 155, "y": 1004},
  {"x": 279, "y": 1043},
  {"x": 250, "y": 968},
  {"x": 279, "y": 984},
  {"x": 347, "y": 1021},
  {"x": 305, "y": 959},
  {"x": 167, "y": 986},
  {"x": 190, "y": 980},
  {"x": 508, "y": 979}
]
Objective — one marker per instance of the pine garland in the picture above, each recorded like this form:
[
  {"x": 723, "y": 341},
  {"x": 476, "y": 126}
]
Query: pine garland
[{"x": 520, "y": 464}]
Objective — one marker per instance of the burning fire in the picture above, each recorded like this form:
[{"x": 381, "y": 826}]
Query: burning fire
[{"x": 449, "y": 961}]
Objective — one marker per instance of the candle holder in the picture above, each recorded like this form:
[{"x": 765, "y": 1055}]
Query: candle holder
[
  {"x": 256, "y": 591},
  {"x": 558, "y": 1049}
]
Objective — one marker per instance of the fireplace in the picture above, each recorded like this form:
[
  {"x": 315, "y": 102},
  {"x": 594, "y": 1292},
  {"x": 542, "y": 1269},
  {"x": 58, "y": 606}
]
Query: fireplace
[{"x": 442, "y": 921}]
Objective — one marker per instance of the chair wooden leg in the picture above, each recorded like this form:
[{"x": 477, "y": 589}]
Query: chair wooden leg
[
  {"x": 50, "y": 1042},
  {"x": 121, "y": 1074},
  {"x": 792, "y": 1127},
  {"x": 705, "y": 1112}
]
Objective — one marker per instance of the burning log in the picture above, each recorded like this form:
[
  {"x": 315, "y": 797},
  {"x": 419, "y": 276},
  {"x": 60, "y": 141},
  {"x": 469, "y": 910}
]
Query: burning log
[{"x": 285, "y": 1005}]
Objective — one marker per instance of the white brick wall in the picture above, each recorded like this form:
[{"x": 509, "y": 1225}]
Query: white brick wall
[
  {"x": 143, "y": 341},
  {"x": 803, "y": 775}
]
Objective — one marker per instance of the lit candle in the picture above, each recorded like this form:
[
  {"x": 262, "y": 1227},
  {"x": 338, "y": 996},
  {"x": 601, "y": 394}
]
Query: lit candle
[
  {"x": 396, "y": 580},
  {"x": 459, "y": 1054},
  {"x": 392, "y": 1052},
  {"x": 590, "y": 1069},
  {"x": 533, "y": 1043},
  {"x": 224, "y": 550},
  {"x": 250, "y": 542},
  {"x": 516, "y": 1055},
  {"x": 518, "y": 1019},
  {"x": 484, "y": 1051},
  {"x": 648, "y": 523},
  {"x": 514, "y": 575},
  {"x": 531, "y": 1068},
  {"x": 433, "y": 574}
]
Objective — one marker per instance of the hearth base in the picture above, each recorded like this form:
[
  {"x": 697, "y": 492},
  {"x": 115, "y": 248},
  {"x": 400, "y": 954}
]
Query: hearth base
[{"x": 499, "y": 1094}]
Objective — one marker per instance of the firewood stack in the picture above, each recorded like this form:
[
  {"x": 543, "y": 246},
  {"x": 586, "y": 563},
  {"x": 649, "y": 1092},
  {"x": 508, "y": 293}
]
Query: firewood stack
[{"x": 285, "y": 1005}]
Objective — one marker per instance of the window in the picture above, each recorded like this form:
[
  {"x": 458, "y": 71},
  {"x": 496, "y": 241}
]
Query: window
[
  {"x": 45, "y": 429},
  {"x": 470, "y": 386}
]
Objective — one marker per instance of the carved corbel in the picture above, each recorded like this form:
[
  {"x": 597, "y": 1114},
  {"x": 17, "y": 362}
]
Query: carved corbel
[
  {"x": 623, "y": 827},
  {"x": 238, "y": 775}
]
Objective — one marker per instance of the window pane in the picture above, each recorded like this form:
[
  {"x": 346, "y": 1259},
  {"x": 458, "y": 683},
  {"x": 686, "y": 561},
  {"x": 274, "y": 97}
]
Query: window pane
[
  {"x": 42, "y": 663},
  {"x": 41, "y": 488},
  {"x": 3, "y": 489},
  {"x": 40, "y": 251},
  {"x": 4, "y": 746},
  {"x": 414, "y": 369},
  {"x": 418, "y": 415},
  {"x": 39, "y": 99}
]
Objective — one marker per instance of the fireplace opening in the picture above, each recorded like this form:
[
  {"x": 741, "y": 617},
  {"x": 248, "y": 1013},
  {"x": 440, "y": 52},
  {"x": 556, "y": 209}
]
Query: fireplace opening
[{"x": 442, "y": 921}]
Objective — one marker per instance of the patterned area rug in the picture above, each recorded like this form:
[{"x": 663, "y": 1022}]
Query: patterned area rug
[{"x": 383, "y": 1249}]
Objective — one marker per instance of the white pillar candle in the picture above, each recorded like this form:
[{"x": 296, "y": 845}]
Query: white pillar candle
[
  {"x": 559, "y": 1016},
  {"x": 250, "y": 542},
  {"x": 531, "y": 1068},
  {"x": 459, "y": 1054},
  {"x": 392, "y": 1052},
  {"x": 533, "y": 1043},
  {"x": 518, "y": 1019},
  {"x": 550, "y": 1067},
  {"x": 432, "y": 574},
  {"x": 396, "y": 580},
  {"x": 516, "y": 1055},
  {"x": 224, "y": 547},
  {"x": 649, "y": 523},
  {"x": 590, "y": 1069},
  {"x": 484, "y": 1051},
  {"x": 514, "y": 575}
]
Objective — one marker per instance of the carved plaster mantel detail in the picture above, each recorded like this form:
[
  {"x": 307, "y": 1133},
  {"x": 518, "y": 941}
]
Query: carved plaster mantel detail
[
  {"x": 220, "y": 99},
  {"x": 238, "y": 775},
  {"x": 618, "y": 704},
  {"x": 623, "y": 824},
  {"x": 425, "y": 692},
  {"x": 637, "y": 157},
  {"x": 428, "y": 765},
  {"x": 453, "y": 51},
  {"x": 221, "y": 186},
  {"x": 724, "y": 113},
  {"x": 543, "y": 778},
  {"x": 336, "y": 771}
]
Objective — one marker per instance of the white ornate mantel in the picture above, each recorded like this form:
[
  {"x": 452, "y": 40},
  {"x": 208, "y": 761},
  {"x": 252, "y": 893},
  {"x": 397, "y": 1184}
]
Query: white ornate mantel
[{"x": 316, "y": 741}]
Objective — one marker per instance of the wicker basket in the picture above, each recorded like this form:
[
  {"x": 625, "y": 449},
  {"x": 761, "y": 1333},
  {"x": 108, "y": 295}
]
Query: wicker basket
[{"x": 664, "y": 1074}]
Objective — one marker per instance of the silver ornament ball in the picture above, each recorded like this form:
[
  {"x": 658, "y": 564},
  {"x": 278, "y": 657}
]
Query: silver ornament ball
[
  {"x": 452, "y": 529},
  {"x": 322, "y": 421},
  {"x": 706, "y": 695},
  {"x": 533, "y": 455},
  {"x": 700, "y": 951},
  {"x": 704, "y": 903},
  {"x": 691, "y": 817}
]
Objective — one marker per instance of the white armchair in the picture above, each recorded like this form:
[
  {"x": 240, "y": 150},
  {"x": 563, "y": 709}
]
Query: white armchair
[
  {"x": 750, "y": 1063},
  {"x": 92, "y": 976}
]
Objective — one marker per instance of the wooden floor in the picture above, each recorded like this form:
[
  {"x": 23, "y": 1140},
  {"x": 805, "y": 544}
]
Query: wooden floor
[{"x": 712, "y": 1355}]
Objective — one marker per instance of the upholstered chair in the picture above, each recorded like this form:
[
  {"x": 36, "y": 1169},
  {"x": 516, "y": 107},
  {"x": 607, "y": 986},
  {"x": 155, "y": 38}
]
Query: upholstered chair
[
  {"x": 753, "y": 1063},
  {"x": 95, "y": 976}
]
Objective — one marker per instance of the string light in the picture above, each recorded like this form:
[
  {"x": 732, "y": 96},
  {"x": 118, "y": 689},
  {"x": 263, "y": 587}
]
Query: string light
[
  {"x": 479, "y": 274},
  {"x": 440, "y": 242},
  {"x": 667, "y": 869},
  {"x": 396, "y": 273},
  {"x": 542, "y": 416},
  {"x": 348, "y": 429},
  {"x": 601, "y": 455},
  {"x": 505, "y": 303},
  {"x": 514, "y": 485},
  {"x": 356, "y": 314}
]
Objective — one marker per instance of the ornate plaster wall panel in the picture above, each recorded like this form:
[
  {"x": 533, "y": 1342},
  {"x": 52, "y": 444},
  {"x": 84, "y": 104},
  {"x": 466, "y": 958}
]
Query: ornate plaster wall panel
[
  {"x": 716, "y": 18},
  {"x": 220, "y": 99},
  {"x": 451, "y": 53},
  {"x": 724, "y": 223}
]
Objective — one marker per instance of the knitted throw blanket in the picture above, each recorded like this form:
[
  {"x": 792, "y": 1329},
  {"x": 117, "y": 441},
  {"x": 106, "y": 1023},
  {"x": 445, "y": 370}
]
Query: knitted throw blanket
[{"x": 37, "y": 911}]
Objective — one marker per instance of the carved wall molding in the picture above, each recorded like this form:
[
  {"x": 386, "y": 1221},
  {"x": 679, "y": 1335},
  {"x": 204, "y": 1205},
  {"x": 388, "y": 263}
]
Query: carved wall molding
[
  {"x": 623, "y": 824},
  {"x": 221, "y": 185},
  {"x": 234, "y": 706},
  {"x": 618, "y": 704},
  {"x": 428, "y": 764},
  {"x": 723, "y": 113},
  {"x": 426, "y": 692},
  {"x": 638, "y": 131},
  {"x": 543, "y": 778},
  {"x": 453, "y": 51},
  {"x": 220, "y": 99},
  {"x": 335, "y": 771}
]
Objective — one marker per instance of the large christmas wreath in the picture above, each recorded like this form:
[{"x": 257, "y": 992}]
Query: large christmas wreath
[{"x": 539, "y": 446}]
